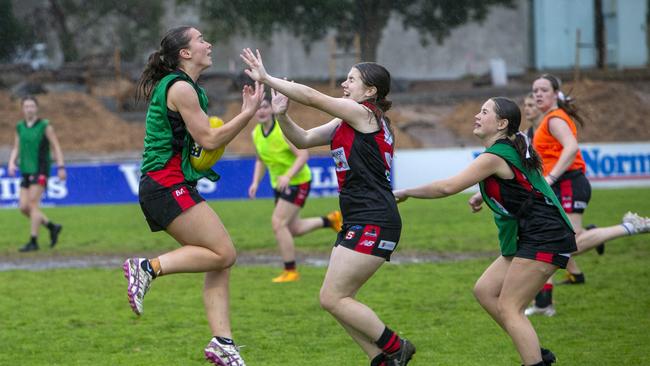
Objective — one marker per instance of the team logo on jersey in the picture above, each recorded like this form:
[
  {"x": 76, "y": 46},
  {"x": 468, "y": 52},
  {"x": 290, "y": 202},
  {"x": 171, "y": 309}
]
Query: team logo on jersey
[
  {"x": 340, "y": 160},
  {"x": 388, "y": 137}
]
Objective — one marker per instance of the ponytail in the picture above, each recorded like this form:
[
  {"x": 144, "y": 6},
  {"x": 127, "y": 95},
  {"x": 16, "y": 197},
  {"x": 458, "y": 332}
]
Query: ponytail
[
  {"x": 529, "y": 158},
  {"x": 164, "y": 61},
  {"x": 507, "y": 109}
]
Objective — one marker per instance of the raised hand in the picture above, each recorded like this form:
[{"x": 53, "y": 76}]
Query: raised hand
[
  {"x": 279, "y": 102},
  {"x": 252, "y": 98},
  {"x": 257, "y": 71}
]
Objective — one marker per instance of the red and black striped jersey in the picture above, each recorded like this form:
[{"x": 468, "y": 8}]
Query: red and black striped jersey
[
  {"x": 363, "y": 169},
  {"x": 540, "y": 225}
]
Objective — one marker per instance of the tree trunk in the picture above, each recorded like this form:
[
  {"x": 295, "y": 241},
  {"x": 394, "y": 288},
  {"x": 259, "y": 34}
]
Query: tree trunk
[
  {"x": 65, "y": 37},
  {"x": 373, "y": 17}
]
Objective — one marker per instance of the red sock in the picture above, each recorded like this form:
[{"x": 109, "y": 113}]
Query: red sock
[{"x": 389, "y": 341}]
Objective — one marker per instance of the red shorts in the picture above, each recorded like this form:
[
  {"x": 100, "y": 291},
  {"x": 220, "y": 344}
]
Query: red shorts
[{"x": 296, "y": 194}]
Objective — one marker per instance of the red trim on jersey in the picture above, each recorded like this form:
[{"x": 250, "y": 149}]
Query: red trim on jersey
[
  {"x": 521, "y": 179},
  {"x": 343, "y": 138},
  {"x": 566, "y": 195},
  {"x": 183, "y": 198},
  {"x": 171, "y": 174},
  {"x": 544, "y": 257},
  {"x": 492, "y": 189},
  {"x": 368, "y": 239}
]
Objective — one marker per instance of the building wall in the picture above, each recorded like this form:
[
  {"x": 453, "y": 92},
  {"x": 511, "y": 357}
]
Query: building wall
[{"x": 467, "y": 51}]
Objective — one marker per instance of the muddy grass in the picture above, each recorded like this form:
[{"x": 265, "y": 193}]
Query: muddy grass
[{"x": 35, "y": 262}]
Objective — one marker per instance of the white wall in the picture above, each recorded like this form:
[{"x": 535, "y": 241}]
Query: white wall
[{"x": 608, "y": 165}]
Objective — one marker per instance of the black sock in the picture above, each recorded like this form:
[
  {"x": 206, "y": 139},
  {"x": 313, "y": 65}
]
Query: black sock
[
  {"x": 378, "y": 360},
  {"x": 224, "y": 340},
  {"x": 326, "y": 221},
  {"x": 49, "y": 225},
  {"x": 544, "y": 298},
  {"x": 578, "y": 277},
  {"x": 389, "y": 341},
  {"x": 146, "y": 266},
  {"x": 32, "y": 239},
  {"x": 290, "y": 266}
]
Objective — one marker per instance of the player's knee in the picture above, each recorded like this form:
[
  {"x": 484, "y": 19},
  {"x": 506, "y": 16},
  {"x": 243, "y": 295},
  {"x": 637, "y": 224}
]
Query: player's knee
[
  {"x": 228, "y": 257},
  {"x": 278, "y": 223},
  {"x": 507, "y": 310},
  {"x": 480, "y": 291},
  {"x": 328, "y": 300},
  {"x": 25, "y": 208}
]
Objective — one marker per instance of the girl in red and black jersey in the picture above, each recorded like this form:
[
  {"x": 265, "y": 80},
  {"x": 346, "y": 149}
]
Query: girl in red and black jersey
[
  {"x": 536, "y": 237},
  {"x": 362, "y": 147}
]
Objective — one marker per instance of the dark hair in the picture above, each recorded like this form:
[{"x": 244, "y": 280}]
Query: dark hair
[
  {"x": 567, "y": 103},
  {"x": 505, "y": 108},
  {"x": 373, "y": 74},
  {"x": 28, "y": 97},
  {"x": 163, "y": 61}
]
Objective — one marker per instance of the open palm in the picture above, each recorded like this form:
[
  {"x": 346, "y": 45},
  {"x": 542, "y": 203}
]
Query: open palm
[{"x": 257, "y": 71}]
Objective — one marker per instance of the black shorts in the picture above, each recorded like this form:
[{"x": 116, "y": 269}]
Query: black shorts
[
  {"x": 558, "y": 259},
  {"x": 573, "y": 190},
  {"x": 296, "y": 194},
  {"x": 369, "y": 239},
  {"x": 31, "y": 179},
  {"x": 161, "y": 205}
]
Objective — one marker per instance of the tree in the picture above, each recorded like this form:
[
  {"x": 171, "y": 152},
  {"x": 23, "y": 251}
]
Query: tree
[
  {"x": 11, "y": 31},
  {"x": 312, "y": 20},
  {"x": 103, "y": 24}
]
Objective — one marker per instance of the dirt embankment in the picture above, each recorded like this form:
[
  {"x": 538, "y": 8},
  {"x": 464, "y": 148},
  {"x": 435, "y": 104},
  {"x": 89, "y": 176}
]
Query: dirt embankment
[{"x": 614, "y": 111}]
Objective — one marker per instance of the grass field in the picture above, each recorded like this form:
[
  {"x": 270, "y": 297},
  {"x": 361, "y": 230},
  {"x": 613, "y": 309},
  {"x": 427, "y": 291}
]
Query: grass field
[{"x": 81, "y": 317}]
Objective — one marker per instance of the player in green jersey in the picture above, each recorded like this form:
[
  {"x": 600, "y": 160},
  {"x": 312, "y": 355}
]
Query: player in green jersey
[
  {"x": 34, "y": 136},
  {"x": 176, "y": 118}
]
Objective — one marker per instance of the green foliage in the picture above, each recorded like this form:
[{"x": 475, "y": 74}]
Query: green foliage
[
  {"x": 312, "y": 20},
  {"x": 12, "y": 32}
]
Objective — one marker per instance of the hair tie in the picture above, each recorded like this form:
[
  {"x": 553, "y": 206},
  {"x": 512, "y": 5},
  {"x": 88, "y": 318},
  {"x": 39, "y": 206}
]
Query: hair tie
[{"x": 527, "y": 143}]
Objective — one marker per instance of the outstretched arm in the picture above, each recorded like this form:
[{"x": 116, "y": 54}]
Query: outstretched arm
[
  {"x": 296, "y": 135},
  {"x": 345, "y": 109},
  {"x": 183, "y": 98},
  {"x": 482, "y": 167}
]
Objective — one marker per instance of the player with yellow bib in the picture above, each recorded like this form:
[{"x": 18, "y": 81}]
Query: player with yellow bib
[{"x": 291, "y": 181}]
